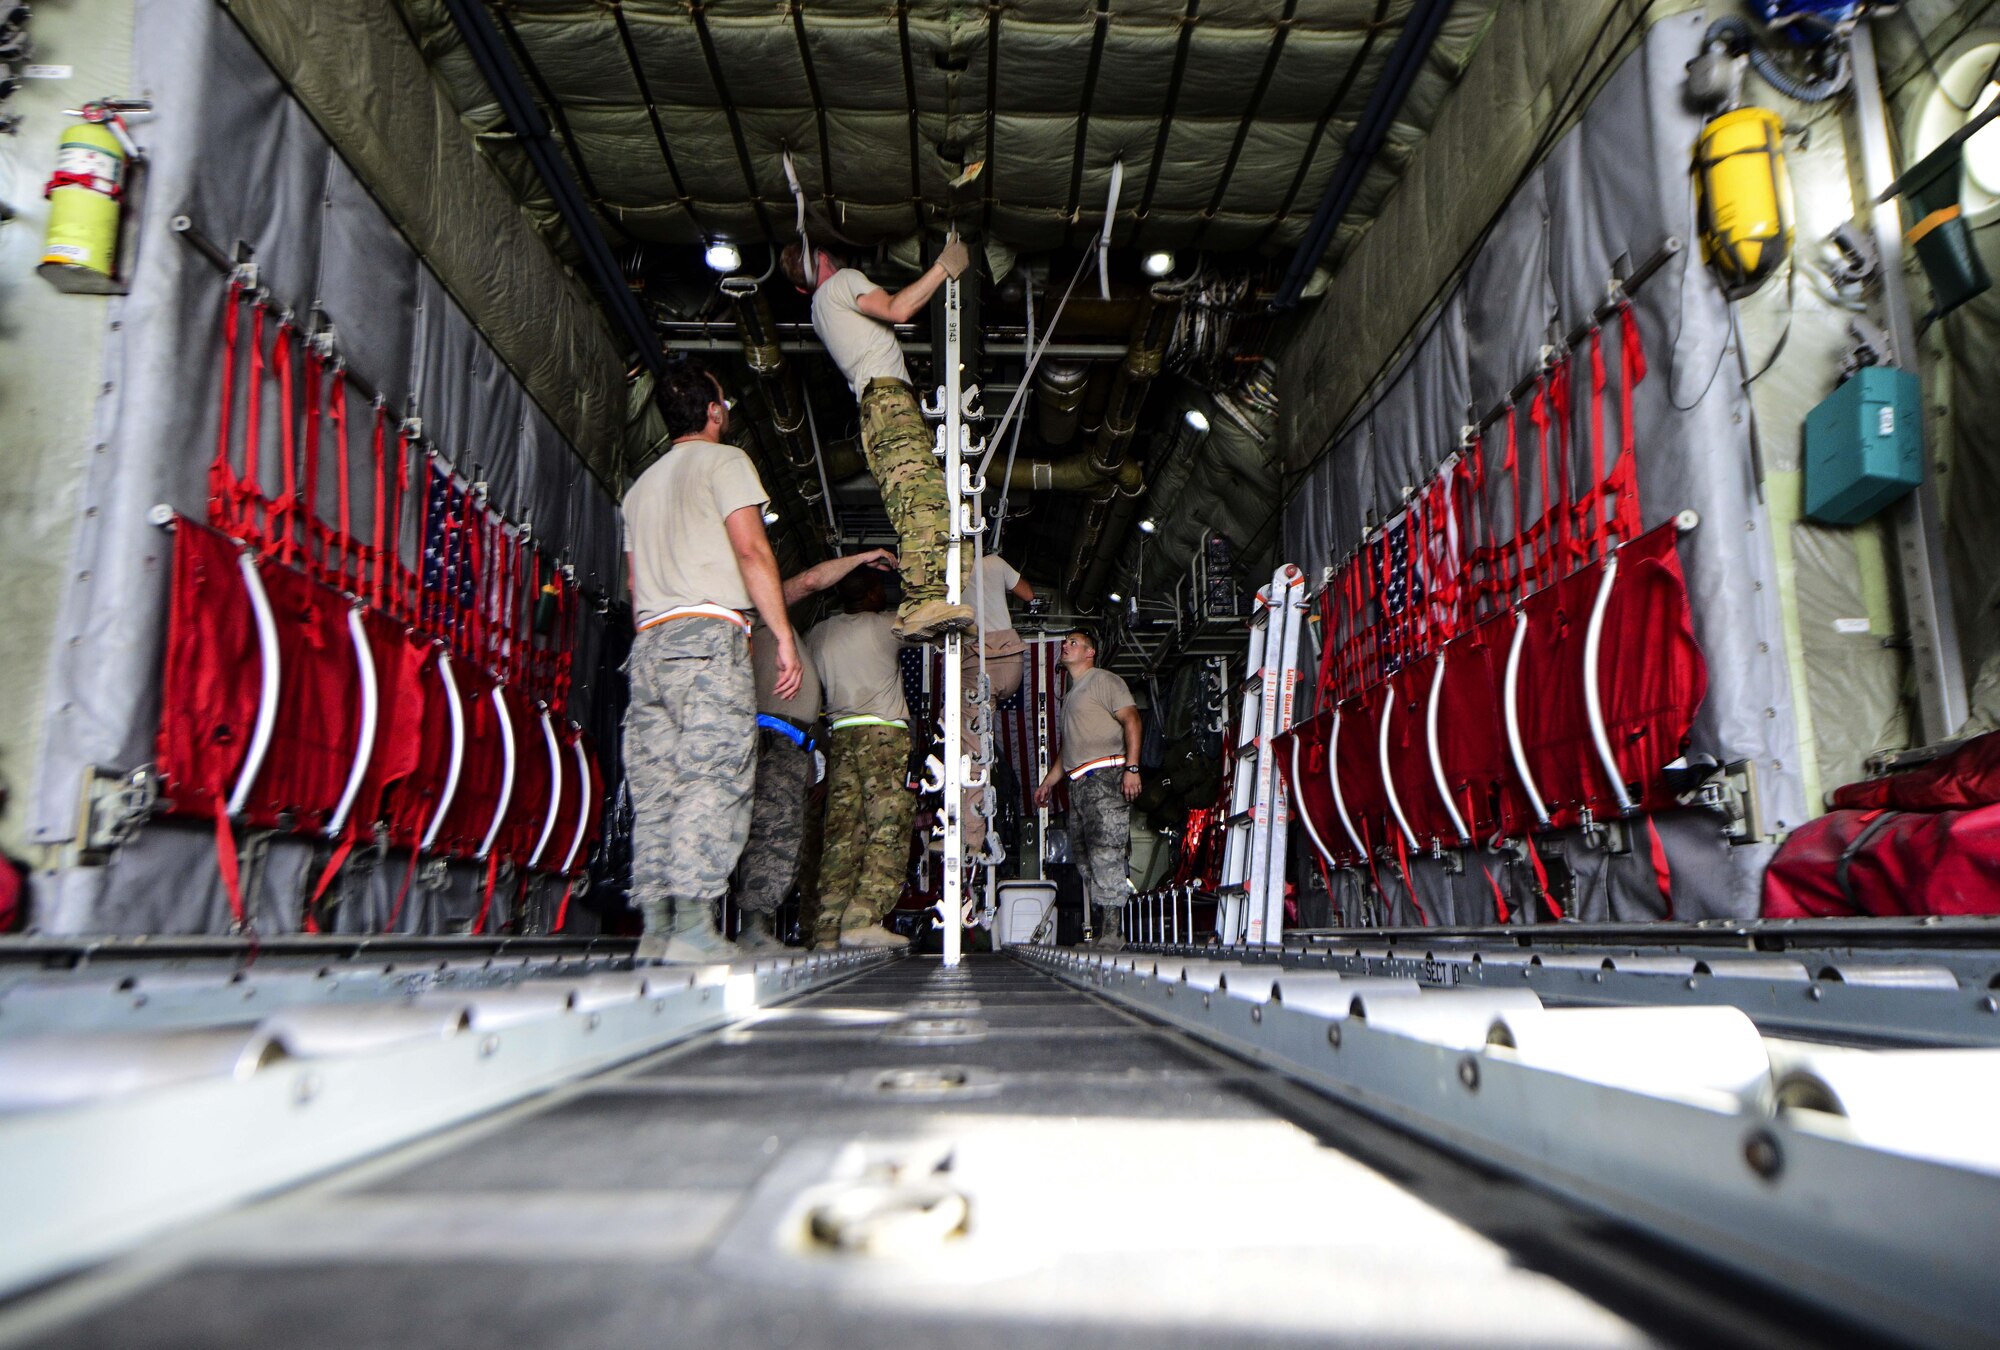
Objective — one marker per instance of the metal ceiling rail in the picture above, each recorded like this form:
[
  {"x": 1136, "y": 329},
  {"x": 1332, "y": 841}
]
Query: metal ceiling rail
[
  {"x": 1272, "y": 55},
  {"x": 489, "y": 53},
  {"x": 713, "y": 60},
  {"x": 1167, "y": 111},
  {"x": 133, "y": 1133},
  {"x": 1406, "y": 59},
  {"x": 645, "y": 88},
  {"x": 1859, "y": 1182},
  {"x": 1340, "y": 93}
]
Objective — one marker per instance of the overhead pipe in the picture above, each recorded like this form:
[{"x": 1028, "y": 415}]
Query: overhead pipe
[
  {"x": 1406, "y": 59},
  {"x": 766, "y": 359},
  {"x": 1115, "y": 504}
]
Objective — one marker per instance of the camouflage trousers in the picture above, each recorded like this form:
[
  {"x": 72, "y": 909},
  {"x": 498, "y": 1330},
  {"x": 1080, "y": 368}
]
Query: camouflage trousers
[
  {"x": 770, "y": 861},
  {"x": 897, "y": 442},
  {"x": 690, "y": 757},
  {"x": 1004, "y": 673},
  {"x": 1100, "y": 837},
  {"x": 869, "y": 815}
]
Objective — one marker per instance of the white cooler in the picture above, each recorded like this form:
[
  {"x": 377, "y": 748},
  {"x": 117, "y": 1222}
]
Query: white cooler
[{"x": 1023, "y": 907}]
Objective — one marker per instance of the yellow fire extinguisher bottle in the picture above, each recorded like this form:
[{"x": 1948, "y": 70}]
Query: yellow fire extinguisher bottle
[
  {"x": 80, "y": 252},
  {"x": 1745, "y": 198}
]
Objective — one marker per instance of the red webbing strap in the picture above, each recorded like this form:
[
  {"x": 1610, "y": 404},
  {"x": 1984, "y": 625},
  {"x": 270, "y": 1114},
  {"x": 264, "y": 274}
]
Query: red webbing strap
[
  {"x": 562, "y": 910},
  {"x": 486, "y": 899},
  {"x": 307, "y": 506},
  {"x": 226, "y": 861},
  {"x": 340, "y": 852},
  {"x": 1500, "y": 909},
  {"x": 1663, "y": 871},
  {"x": 427, "y": 603},
  {"x": 250, "y": 487},
  {"x": 399, "y": 576},
  {"x": 1527, "y": 539},
  {"x": 221, "y": 473},
  {"x": 1403, "y": 865},
  {"x": 1539, "y": 531},
  {"x": 566, "y": 661},
  {"x": 469, "y": 566},
  {"x": 1587, "y": 525},
  {"x": 1329, "y": 646},
  {"x": 1542, "y": 879},
  {"x": 345, "y": 543},
  {"x": 378, "y": 506},
  {"x": 1562, "y": 409},
  {"x": 1625, "y": 474},
  {"x": 286, "y": 507}
]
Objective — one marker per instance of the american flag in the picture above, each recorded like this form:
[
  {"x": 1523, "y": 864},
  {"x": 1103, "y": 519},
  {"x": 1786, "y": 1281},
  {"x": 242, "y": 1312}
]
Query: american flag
[
  {"x": 448, "y": 580},
  {"x": 1401, "y": 584}
]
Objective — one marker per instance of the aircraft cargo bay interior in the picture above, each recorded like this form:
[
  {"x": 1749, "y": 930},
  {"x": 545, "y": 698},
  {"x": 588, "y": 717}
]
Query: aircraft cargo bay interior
[{"x": 879, "y": 672}]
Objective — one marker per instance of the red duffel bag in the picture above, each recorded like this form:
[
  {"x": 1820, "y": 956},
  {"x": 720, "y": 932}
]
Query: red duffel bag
[{"x": 1882, "y": 862}]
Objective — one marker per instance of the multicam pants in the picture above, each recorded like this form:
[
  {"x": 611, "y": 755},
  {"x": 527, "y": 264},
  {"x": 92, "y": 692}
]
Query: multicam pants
[
  {"x": 869, "y": 815},
  {"x": 690, "y": 757},
  {"x": 770, "y": 861},
  {"x": 1100, "y": 837},
  {"x": 897, "y": 442},
  {"x": 1004, "y": 672}
]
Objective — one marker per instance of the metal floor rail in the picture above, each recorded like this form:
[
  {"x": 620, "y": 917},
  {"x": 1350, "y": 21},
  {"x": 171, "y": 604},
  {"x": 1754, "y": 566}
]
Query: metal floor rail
[
  {"x": 170, "y": 1087},
  {"x": 991, "y": 1156},
  {"x": 1863, "y": 1181},
  {"x": 1878, "y": 982}
]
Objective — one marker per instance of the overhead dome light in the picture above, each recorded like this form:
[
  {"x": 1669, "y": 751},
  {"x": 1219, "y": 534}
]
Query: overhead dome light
[
  {"x": 1158, "y": 263},
  {"x": 723, "y": 257},
  {"x": 1115, "y": 598},
  {"x": 1197, "y": 421},
  {"x": 1148, "y": 525}
]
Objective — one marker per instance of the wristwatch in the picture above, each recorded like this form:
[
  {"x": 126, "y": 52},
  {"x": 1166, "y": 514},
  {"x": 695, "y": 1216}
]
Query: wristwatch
[{"x": 1131, "y": 768}]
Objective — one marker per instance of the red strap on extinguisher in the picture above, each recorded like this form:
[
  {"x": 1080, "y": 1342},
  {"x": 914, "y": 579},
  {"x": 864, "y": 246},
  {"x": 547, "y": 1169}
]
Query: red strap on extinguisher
[{"x": 486, "y": 899}]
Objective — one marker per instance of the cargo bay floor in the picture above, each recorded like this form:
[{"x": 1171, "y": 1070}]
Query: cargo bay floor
[{"x": 975, "y": 1157}]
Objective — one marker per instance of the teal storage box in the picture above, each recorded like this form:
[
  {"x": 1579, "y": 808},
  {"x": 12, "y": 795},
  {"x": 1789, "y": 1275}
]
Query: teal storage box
[{"x": 1864, "y": 446}]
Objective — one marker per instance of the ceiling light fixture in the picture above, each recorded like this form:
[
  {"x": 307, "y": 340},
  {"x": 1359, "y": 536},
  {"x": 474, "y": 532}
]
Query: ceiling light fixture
[
  {"x": 1158, "y": 263},
  {"x": 1115, "y": 598},
  {"x": 1148, "y": 525},
  {"x": 1197, "y": 421},
  {"x": 723, "y": 257}
]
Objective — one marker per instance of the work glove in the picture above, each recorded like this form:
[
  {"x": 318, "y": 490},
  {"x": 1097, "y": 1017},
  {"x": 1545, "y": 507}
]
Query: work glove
[{"x": 955, "y": 259}]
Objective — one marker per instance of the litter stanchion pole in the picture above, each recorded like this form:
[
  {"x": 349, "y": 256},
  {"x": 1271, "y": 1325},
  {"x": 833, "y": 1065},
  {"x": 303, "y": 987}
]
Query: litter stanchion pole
[{"x": 952, "y": 905}]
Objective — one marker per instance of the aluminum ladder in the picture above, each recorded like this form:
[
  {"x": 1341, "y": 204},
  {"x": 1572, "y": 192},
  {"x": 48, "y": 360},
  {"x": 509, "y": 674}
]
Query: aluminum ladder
[{"x": 1252, "y": 893}]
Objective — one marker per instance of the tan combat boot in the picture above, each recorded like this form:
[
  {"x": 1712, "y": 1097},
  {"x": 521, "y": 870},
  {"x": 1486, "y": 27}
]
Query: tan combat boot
[
  {"x": 932, "y": 618},
  {"x": 758, "y": 936}
]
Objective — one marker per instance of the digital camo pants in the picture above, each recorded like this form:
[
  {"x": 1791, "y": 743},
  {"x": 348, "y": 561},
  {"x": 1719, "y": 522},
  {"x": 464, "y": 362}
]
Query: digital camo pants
[
  {"x": 869, "y": 815},
  {"x": 690, "y": 757},
  {"x": 1100, "y": 837},
  {"x": 770, "y": 862},
  {"x": 897, "y": 443}
]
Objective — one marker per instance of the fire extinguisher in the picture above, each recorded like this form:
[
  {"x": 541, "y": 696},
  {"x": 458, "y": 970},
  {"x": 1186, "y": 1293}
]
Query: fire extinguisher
[{"x": 86, "y": 196}]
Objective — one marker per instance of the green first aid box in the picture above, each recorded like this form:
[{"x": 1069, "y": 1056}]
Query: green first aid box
[{"x": 1864, "y": 446}]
